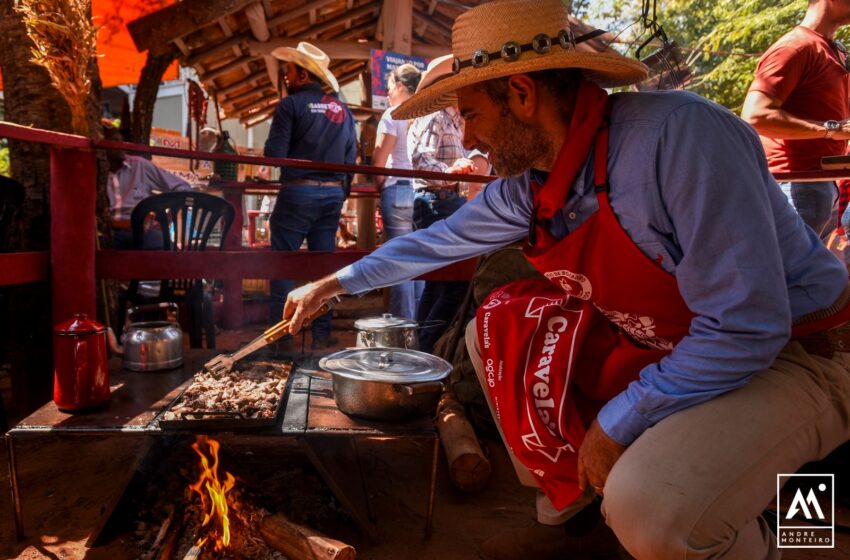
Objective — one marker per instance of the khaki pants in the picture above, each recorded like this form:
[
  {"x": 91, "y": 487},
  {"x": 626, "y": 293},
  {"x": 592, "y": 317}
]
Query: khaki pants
[{"x": 694, "y": 485}]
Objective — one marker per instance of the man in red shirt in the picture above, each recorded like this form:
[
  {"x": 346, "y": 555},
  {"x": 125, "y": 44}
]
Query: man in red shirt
[{"x": 798, "y": 103}]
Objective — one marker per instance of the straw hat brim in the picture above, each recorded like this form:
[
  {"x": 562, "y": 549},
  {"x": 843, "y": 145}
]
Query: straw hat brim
[
  {"x": 289, "y": 54},
  {"x": 607, "y": 69}
]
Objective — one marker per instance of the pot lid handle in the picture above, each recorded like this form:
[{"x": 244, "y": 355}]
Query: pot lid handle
[{"x": 385, "y": 360}]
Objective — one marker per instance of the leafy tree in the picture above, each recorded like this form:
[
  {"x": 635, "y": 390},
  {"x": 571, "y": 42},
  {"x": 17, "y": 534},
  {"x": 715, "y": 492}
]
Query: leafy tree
[
  {"x": 722, "y": 40},
  {"x": 5, "y": 168}
]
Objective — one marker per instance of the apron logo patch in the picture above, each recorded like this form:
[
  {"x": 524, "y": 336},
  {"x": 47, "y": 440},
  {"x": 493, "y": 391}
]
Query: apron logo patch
[
  {"x": 532, "y": 443},
  {"x": 576, "y": 285},
  {"x": 640, "y": 327}
]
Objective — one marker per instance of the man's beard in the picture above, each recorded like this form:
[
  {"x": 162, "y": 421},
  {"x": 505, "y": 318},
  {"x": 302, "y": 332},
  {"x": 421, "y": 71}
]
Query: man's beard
[{"x": 519, "y": 146}]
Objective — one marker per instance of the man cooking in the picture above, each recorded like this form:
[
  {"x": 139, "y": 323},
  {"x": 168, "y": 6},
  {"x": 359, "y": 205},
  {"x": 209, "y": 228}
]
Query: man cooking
[{"x": 683, "y": 350}]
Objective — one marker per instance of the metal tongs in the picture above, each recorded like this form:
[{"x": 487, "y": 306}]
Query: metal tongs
[{"x": 223, "y": 363}]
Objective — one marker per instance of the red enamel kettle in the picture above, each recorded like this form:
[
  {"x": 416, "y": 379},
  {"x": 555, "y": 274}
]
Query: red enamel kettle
[{"x": 80, "y": 372}]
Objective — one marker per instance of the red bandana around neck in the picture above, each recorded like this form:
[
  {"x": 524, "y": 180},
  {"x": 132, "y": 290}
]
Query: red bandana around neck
[{"x": 586, "y": 119}]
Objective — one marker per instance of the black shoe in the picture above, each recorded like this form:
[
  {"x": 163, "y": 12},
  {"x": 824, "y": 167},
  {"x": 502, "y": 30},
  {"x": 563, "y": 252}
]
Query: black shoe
[{"x": 324, "y": 343}]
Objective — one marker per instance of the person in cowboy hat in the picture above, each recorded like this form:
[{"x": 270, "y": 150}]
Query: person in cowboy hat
[
  {"x": 314, "y": 125},
  {"x": 686, "y": 344}
]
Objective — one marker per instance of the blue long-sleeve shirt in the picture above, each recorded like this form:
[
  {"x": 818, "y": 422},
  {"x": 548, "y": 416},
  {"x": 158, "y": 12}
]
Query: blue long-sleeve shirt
[
  {"x": 315, "y": 126},
  {"x": 690, "y": 185}
]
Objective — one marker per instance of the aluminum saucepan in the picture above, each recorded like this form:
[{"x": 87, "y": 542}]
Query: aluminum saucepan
[
  {"x": 389, "y": 331},
  {"x": 386, "y": 383}
]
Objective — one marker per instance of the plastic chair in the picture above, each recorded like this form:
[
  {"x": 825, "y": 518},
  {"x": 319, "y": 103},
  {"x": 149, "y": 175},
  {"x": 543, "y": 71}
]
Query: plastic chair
[{"x": 185, "y": 220}]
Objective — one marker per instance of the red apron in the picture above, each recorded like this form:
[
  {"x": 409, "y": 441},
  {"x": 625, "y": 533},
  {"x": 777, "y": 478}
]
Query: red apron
[{"x": 571, "y": 344}]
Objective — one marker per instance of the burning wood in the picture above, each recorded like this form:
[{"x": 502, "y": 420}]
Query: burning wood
[
  {"x": 213, "y": 494},
  {"x": 178, "y": 510},
  {"x": 297, "y": 541}
]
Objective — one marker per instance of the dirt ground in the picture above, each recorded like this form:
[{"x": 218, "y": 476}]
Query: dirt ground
[{"x": 66, "y": 483}]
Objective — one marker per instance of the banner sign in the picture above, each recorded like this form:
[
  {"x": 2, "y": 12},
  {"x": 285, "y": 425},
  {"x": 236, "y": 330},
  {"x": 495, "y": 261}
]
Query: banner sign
[{"x": 381, "y": 64}]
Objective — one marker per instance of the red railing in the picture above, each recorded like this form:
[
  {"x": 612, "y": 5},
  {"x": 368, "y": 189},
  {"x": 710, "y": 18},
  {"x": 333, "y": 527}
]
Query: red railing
[{"x": 73, "y": 264}]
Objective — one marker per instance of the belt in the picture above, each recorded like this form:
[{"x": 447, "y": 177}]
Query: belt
[
  {"x": 441, "y": 193},
  {"x": 827, "y": 342},
  {"x": 310, "y": 183}
]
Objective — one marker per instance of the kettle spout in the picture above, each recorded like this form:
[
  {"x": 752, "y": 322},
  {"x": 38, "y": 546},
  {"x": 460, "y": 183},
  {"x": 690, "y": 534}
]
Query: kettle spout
[{"x": 114, "y": 346}]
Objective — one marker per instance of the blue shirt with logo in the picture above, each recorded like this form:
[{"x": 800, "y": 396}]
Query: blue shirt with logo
[{"x": 315, "y": 126}]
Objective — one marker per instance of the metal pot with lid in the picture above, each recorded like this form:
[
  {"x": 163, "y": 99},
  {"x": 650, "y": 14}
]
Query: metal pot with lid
[
  {"x": 386, "y": 383},
  {"x": 387, "y": 331}
]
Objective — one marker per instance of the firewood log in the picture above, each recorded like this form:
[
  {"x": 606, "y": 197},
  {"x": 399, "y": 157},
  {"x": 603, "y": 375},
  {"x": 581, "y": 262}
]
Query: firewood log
[
  {"x": 296, "y": 541},
  {"x": 469, "y": 469}
]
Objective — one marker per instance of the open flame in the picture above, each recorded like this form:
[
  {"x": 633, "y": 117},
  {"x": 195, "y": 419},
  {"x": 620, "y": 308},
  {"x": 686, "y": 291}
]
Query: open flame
[{"x": 213, "y": 494}]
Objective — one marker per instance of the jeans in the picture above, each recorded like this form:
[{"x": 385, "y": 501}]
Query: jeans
[
  {"x": 440, "y": 300},
  {"x": 310, "y": 213},
  {"x": 815, "y": 203},
  {"x": 397, "y": 214}
]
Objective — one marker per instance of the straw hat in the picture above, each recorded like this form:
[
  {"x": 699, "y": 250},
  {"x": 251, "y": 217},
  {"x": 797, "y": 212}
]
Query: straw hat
[
  {"x": 438, "y": 69},
  {"x": 507, "y": 37},
  {"x": 310, "y": 58}
]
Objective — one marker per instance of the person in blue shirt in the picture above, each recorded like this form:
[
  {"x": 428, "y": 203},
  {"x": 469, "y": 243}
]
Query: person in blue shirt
[
  {"x": 756, "y": 383},
  {"x": 313, "y": 125}
]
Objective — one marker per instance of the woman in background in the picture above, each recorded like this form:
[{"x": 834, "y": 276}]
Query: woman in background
[{"x": 396, "y": 192}]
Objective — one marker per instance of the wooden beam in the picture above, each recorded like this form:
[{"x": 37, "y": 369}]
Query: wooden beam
[
  {"x": 248, "y": 80},
  {"x": 181, "y": 46},
  {"x": 257, "y": 117},
  {"x": 257, "y": 21},
  {"x": 398, "y": 25},
  {"x": 356, "y": 32},
  {"x": 347, "y": 77},
  {"x": 432, "y": 5},
  {"x": 235, "y": 41},
  {"x": 229, "y": 67},
  {"x": 157, "y": 30},
  {"x": 262, "y": 102},
  {"x": 429, "y": 51},
  {"x": 339, "y": 20},
  {"x": 260, "y": 29},
  {"x": 296, "y": 13},
  {"x": 421, "y": 16},
  {"x": 336, "y": 50},
  {"x": 242, "y": 97}
]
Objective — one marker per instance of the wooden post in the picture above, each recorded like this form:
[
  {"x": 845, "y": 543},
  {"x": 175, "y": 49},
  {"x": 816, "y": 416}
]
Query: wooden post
[
  {"x": 367, "y": 234},
  {"x": 398, "y": 25},
  {"x": 73, "y": 190}
]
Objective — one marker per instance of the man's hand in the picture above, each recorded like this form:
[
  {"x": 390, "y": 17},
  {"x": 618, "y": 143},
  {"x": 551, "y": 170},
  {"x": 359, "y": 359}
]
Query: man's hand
[
  {"x": 596, "y": 458},
  {"x": 462, "y": 166},
  {"x": 306, "y": 300}
]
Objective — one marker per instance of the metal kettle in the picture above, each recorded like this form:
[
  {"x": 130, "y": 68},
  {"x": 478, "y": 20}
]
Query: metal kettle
[
  {"x": 150, "y": 345},
  {"x": 80, "y": 371}
]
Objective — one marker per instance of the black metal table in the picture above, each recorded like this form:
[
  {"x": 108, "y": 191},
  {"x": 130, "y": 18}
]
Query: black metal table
[{"x": 310, "y": 416}]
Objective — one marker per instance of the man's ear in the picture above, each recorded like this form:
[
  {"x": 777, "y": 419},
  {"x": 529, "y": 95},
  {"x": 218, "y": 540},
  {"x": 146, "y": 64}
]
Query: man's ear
[{"x": 522, "y": 95}]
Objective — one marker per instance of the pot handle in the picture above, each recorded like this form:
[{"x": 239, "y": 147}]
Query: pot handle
[
  {"x": 165, "y": 309},
  {"x": 430, "y": 324},
  {"x": 420, "y": 388},
  {"x": 112, "y": 341}
]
